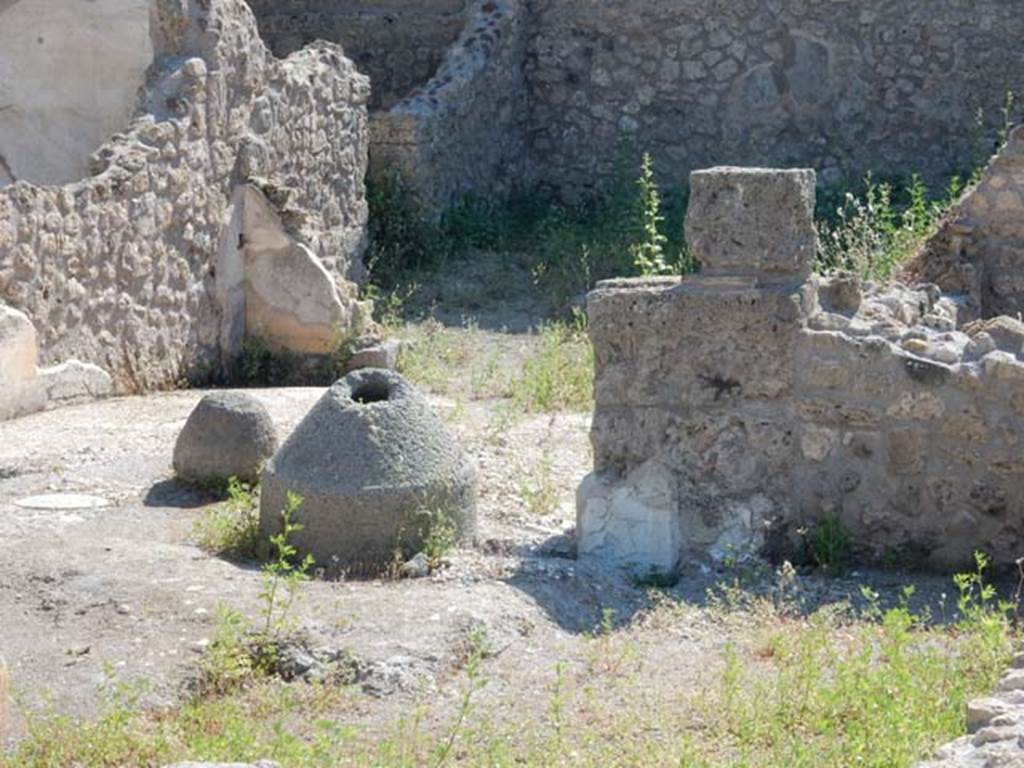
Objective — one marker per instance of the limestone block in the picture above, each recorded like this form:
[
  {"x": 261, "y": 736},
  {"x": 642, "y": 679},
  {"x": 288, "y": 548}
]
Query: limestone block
[
  {"x": 18, "y": 350},
  {"x": 633, "y": 524},
  {"x": 21, "y": 391},
  {"x": 75, "y": 382},
  {"x": 753, "y": 221},
  {"x": 291, "y": 301},
  {"x": 383, "y": 355}
]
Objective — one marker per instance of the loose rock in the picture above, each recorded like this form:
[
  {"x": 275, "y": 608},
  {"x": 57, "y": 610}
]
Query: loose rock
[{"x": 229, "y": 434}]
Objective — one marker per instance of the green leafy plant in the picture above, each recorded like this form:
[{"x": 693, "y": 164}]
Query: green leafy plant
[
  {"x": 231, "y": 527},
  {"x": 830, "y": 544},
  {"x": 560, "y": 374},
  {"x": 649, "y": 252},
  {"x": 283, "y": 575},
  {"x": 228, "y": 662},
  {"x": 873, "y": 235},
  {"x": 440, "y": 538}
]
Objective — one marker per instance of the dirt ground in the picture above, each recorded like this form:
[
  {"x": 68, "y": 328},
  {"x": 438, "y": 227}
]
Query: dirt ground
[{"x": 123, "y": 590}]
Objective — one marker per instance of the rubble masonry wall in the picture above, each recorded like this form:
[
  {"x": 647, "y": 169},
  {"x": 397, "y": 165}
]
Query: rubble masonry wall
[
  {"x": 399, "y": 44},
  {"x": 120, "y": 269},
  {"x": 842, "y": 86},
  {"x": 736, "y": 407}
]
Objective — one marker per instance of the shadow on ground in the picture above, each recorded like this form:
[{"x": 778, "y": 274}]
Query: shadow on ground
[{"x": 173, "y": 494}]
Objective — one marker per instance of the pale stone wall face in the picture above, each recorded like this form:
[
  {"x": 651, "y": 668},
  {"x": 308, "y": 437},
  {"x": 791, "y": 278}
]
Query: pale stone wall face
[
  {"x": 122, "y": 269},
  {"x": 70, "y": 75},
  {"x": 837, "y": 85},
  {"x": 762, "y": 400}
]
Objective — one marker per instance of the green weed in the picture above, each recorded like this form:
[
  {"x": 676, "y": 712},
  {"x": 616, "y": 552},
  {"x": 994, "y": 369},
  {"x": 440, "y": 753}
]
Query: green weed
[
  {"x": 538, "y": 489},
  {"x": 559, "y": 375},
  {"x": 649, "y": 252},
  {"x": 830, "y": 544},
  {"x": 283, "y": 575},
  {"x": 875, "y": 234},
  {"x": 440, "y": 538},
  {"x": 232, "y": 527}
]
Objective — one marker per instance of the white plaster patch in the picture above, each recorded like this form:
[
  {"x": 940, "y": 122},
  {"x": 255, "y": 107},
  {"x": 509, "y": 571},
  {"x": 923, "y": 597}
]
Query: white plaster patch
[
  {"x": 634, "y": 524},
  {"x": 70, "y": 73},
  {"x": 60, "y": 502}
]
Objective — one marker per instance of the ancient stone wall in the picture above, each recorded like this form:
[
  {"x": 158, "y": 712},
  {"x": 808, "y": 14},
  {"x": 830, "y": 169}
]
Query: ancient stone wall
[
  {"x": 737, "y": 407},
  {"x": 977, "y": 250},
  {"x": 399, "y": 43},
  {"x": 842, "y": 86},
  {"x": 70, "y": 76},
  {"x": 138, "y": 267},
  {"x": 449, "y": 107},
  {"x": 465, "y": 130}
]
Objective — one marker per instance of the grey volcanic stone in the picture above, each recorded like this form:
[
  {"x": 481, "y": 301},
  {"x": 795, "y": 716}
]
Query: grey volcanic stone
[
  {"x": 374, "y": 465},
  {"x": 229, "y": 434}
]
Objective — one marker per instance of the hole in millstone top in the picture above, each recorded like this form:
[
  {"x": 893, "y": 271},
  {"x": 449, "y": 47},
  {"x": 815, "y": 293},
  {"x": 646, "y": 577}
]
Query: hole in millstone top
[{"x": 371, "y": 392}]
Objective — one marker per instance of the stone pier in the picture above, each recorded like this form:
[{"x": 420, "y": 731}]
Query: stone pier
[{"x": 738, "y": 408}]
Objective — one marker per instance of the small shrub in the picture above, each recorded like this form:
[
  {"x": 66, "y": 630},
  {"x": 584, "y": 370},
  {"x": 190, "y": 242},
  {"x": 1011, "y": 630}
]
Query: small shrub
[
  {"x": 227, "y": 663},
  {"x": 875, "y": 235},
  {"x": 440, "y": 538},
  {"x": 282, "y": 573},
  {"x": 830, "y": 544},
  {"x": 231, "y": 527},
  {"x": 559, "y": 375},
  {"x": 649, "y": 252},
  {"x": 538, "y": 489}
]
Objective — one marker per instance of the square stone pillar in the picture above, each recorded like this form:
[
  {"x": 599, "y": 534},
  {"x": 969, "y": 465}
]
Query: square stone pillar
[
  {"x": 753, "y": 222},
  {"x": 694, "y": 381}
]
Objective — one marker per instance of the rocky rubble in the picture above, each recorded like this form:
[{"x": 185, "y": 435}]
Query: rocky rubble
[{"x": 996, "y": 725}]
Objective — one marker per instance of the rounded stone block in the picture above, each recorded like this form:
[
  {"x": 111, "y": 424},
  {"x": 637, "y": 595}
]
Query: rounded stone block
[
  {"x": 753, "y": 221},
  {"x": 229, "y": 434},
  {"x": 376, "y": 469}
]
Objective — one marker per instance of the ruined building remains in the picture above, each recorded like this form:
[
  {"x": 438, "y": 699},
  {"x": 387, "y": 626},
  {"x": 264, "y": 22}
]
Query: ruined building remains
[
  {"x": 744, "y": 405},
  {"x": 481, "y": 94},
  {"x": 179, "y": 175},
  {"x": 232, "y": 202}
]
